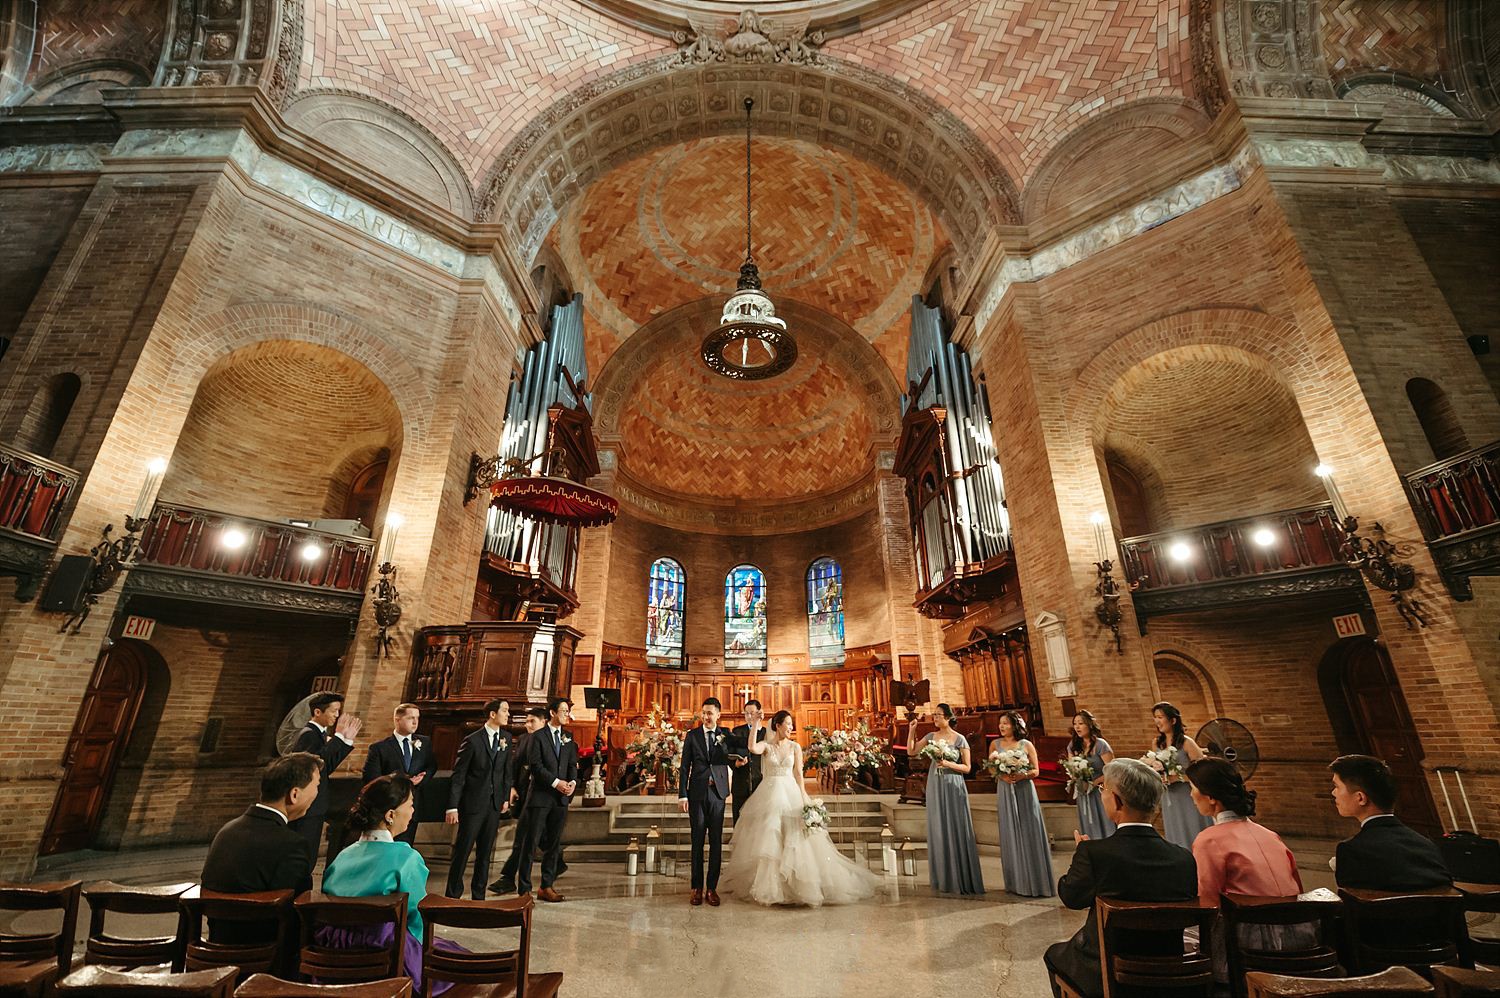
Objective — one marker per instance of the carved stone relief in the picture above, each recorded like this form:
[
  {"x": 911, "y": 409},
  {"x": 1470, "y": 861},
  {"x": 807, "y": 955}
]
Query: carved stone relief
[{"x": 213, "y": 43}]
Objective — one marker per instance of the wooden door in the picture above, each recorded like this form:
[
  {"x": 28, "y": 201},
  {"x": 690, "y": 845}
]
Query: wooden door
[
  {"x": 1384, "y": 724},
  {"x": 103, "y": 726},
  {"x": 363, "y": 500}
]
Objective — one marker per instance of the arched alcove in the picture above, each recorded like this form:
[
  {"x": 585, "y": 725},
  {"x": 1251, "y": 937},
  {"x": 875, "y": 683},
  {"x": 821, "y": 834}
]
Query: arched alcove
[
  {"x": 1440, "y": 424},
  {"x": 43, "y": 423}
]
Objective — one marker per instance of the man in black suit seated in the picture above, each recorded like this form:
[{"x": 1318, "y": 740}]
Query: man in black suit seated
[
  {"x": 746, "y": 776},
  {"x": 257, "y": 851},
  {"x": 327, "y": 716},
  {"x": 1134, "y": 864},
  {"x": 536, "y": 719},
  {"x": 404, "y": 752},
  {"x": 552, "y": 761},
  {"x": 478, "y": 794},
  {"x": 1384, "y": 855}
]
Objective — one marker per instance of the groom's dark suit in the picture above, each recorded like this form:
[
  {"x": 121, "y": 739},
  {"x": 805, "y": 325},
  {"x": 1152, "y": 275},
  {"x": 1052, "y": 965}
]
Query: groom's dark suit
[
  {"x": 704, "y": 783},
  {"x": 747, "y": 777}
]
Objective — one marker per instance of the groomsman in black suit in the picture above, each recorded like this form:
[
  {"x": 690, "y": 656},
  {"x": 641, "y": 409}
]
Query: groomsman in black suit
[
  {"x": 746, "y": 764},
  {"x": 1385, "y": 855},
  {"x": 1133, "y": 864},
  {"x": 257, "y": 851},
  {"x": 536, "y": 719},
  {"x": 703, "y": 784},
  {"x": 552, "y": 760},
  {"x": 404, "y": 752},
  {"x": 327, "y": 716},
  {"x": 477, "y": 796}
]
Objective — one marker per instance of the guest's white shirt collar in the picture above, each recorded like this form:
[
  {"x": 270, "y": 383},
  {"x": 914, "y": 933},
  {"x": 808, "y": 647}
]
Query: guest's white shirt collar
[
  {"x": 1134, "y": 824},
  {"x": 1365, "y": 821},
  {"x": 267, "y": 807},
  {"x": 493, "y": 729},
  {"x": 399, "y": 736},
  {"x": 322, "y": 730},
  {"x": 377, "y": 835},
  {"x": 1224, "y": 816}
]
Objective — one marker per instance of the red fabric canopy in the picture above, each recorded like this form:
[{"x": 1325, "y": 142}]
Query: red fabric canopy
[{"x": 554, "y": 500}]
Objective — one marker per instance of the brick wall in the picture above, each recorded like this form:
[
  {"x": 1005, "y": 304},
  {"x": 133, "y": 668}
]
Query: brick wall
[{"x": 34, "y": 221}]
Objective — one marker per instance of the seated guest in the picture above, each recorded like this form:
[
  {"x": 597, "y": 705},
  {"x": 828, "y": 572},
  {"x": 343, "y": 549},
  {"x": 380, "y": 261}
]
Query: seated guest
[
  {"x": 1237, "y": 856},
  {"x": 1384, "y": 855},
  {"x": 377, "y": 865},
  {"x": 1133, "y": 864},
  {"x": 257, "y": 851}
]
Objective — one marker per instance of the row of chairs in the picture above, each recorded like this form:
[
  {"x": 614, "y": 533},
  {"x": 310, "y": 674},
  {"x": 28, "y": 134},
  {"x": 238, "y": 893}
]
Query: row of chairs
[
  {"x": 30, "y": 964},
  {"x": 1362, "y": 933},
  {"x": 218, "y": 982}
]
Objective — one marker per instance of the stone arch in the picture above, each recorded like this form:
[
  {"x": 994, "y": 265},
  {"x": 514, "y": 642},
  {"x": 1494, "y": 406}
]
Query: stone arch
[
  {"x": 360, "y": 126},
  {"x": 1401, "y": 94},
  {"x": 18, "y": 36},
  {"x": 212, "y": 337},
  {"x": 85, "y": 82},
  {"x": 1084, "y": 163},
  {"x": 1176, "y": 673},
  {"x": 45, "y": 418},
  {"x": 660, "y": 102},
  {"x": 1440, "y": 423}
]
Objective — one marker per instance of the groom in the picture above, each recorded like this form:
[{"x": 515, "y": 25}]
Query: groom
[{"x": 701, "y": 790}]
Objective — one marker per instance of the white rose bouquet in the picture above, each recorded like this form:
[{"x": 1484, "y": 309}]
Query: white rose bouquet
[
  {"x": 814, "y": 817},
  {"x": 1080, "y": 774},
  {"x": 1008, "y": 762},
  {"x": 938, "y": 752},
  {"x": 1164, "y": 761}
]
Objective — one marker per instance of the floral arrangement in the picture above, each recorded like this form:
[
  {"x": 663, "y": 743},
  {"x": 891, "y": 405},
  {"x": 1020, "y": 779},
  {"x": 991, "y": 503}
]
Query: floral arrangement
[
  {"x": 1008, "y": 762},
  {"x": 657, "y": 745},
  {"x": 814, "y": 817},
  {"x": 938, "y": 752},
  {"x": 1164, "y": 761},
  {"x": 1080, "y": 774},
  {"x": 845, "y": 749}
]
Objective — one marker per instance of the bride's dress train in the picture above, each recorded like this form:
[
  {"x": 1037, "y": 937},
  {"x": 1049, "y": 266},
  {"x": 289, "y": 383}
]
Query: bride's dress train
[{"x": 775, "y": 860}]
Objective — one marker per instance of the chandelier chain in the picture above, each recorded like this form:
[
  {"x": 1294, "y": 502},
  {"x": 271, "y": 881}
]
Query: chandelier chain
[{"x": 749, "y": 103}]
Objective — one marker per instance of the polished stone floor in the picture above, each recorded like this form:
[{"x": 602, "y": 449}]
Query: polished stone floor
[{"x": 628, "y": 936}]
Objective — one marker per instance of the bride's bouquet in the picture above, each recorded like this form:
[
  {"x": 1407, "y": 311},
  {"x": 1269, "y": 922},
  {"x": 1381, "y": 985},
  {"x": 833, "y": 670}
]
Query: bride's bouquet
[
  {"x": 1164, "y": 761},
  {"x": 1008, "y": 762},
  {"x": 814, "y": 817},
  {"x": 1080, "y": 774},
  {"x": 936, "y": 751}
]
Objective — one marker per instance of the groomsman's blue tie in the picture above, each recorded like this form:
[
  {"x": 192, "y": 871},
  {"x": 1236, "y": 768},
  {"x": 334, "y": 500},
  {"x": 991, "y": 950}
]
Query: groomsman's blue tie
[{"x": 406, "y": 755}]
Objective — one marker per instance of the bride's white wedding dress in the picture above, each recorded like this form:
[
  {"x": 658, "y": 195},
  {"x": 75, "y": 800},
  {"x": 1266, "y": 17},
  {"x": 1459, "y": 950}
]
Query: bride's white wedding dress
[{"x": 775, "y": 860}]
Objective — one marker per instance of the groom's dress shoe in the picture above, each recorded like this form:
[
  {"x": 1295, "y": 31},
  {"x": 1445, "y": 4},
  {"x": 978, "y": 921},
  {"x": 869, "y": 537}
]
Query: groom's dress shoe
[
  {"x": 697, "y": 897},
  {"x": 713, "y": 899},
  {"x": 548, "y": 894}
]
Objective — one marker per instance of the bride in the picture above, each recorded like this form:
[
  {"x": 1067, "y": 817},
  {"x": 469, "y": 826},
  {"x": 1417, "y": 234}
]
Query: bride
[{"x": 775, "y": 859}]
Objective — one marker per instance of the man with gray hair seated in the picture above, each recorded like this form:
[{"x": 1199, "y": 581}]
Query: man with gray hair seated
[{"x": 1134, "y": 864}]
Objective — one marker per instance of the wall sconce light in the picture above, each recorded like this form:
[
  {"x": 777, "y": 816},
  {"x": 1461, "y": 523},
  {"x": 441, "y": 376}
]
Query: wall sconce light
[
  {"x": 311, "y": 551},
  {"x": 1180, "y": 552},
  {"x": 233, "y": 538},
  {"x": 387, "y": 596},
  {"x": 1108, "y": 608},
  {"x": 1375, "y": 558},
  {"x": 111, "y": 555},
  {"x": 1263, "y": 537}
]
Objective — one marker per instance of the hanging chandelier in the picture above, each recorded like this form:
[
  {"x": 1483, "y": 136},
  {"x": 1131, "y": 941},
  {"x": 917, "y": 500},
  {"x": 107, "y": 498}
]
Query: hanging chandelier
[{"x": 750, "y": 343}]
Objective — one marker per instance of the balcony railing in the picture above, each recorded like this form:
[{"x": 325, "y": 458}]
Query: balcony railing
[
  {"x": 1458, "y": 504},
  {"x": 211, "y": 556},
  {"x": 33, "y": 492},
  {"x": 1290, "y": 552}
]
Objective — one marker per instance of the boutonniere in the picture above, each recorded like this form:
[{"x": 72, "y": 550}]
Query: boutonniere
[
  {"x": 416, "y": 743},
  {"x": 567, "y": 739},
  {"x": 718, "y": 737}
]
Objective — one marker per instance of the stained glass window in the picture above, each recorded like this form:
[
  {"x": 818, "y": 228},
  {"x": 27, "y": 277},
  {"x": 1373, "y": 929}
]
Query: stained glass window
[
  {"x": 745, "y": 618},
  {"x": 665, "y": 597},
  {"x": 825, "y": 614}
]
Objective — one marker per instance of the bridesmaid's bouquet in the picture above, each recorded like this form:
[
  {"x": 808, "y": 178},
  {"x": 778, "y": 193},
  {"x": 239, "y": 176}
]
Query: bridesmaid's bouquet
[
  {"x": 1008, "y": 762},
  {"x": 1080, "y": 775},
  {"x": 1164, "y": 761},
  {"x": 814, "y": 817},
  {"x": 937, "y": 751}
]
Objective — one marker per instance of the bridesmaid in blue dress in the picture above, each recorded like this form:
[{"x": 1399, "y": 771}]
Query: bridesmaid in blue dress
[
  {"x": 952, "y": 850},
  {"x": 1179, "y": 815},
  {"x": 1025, "y": 853},
  {"x": 1088, "y": 742}
]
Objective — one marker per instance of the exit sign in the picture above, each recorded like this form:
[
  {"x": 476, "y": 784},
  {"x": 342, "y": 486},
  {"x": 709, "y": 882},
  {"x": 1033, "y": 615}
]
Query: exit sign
[
  {"x": 1349, "y": 625},
  {"x": 138, "y": 627}
]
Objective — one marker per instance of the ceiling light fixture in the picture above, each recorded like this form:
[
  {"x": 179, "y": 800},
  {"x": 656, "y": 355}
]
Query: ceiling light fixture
[{"x": 751, "y": 343}]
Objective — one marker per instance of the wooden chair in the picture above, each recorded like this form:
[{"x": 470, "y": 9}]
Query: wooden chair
[
  {"x": 1320, "y": 960},
  {"x": 1481, "y": 898},
  {"x": 131, "y": 952},
  {"x": 266, "y": 986},
  {"x": 352, "y": 964},
  {"x": 1130, "y": 956},
  {"x": 1398, "y": 982},
  {"x": 30, "y": 963},
  {"x": 1415, "y": 929},
  {"x": 235, "y": 917},
  {"x": 104, "y": 982},
  {"x": 1455, "y": 982},
  {"x": 505, "y": 968}
]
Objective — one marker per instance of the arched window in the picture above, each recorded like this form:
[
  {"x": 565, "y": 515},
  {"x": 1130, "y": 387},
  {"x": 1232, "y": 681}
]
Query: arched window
[
  {"x": 745, "y": 618},
  {"x": 825, "y": 614},
  {"x": 44, "y": 419},
  {"x": 1440, "y": 424},
  {"x": 665, "y": 599}
]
